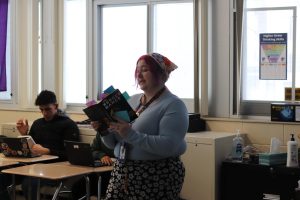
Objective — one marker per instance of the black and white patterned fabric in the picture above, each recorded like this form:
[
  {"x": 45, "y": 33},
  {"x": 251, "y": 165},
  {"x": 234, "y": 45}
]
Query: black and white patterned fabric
[{"x": 143, "y": 180}]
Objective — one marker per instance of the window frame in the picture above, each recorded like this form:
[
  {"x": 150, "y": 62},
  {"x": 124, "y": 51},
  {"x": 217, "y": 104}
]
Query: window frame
[
  {"x": 94, "y": 65},
  {"x": 257, "y": 107}
]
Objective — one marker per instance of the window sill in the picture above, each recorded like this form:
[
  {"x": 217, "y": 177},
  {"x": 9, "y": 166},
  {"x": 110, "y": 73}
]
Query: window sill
[{"x": 249, "y": 119}]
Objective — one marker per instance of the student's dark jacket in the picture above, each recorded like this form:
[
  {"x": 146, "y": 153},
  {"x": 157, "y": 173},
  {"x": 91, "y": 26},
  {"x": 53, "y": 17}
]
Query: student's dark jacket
[
  {"x": 99, "y": 149},
  {"x": 51, "y": 134}
]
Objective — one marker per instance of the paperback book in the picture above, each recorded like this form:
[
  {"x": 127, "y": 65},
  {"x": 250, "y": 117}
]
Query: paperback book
[{"x": 112, "y": 106}]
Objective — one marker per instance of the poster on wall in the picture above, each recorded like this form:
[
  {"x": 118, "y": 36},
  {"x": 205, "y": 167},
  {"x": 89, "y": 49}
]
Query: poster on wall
[{"x": 273, "y": 56}]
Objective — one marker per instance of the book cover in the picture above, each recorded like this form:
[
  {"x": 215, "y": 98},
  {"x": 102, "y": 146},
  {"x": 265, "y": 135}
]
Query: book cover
[
  {"x": 30, "y": 140},
  {"x": 111, "y": 106}
]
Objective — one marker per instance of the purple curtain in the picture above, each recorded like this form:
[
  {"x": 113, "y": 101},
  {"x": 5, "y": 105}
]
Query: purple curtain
[{"x": 3, "y": 32}]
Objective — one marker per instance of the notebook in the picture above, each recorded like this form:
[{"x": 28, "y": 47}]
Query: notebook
[
  {"x": 17, "y": 147},
  {"x": 80, "y": 153}
]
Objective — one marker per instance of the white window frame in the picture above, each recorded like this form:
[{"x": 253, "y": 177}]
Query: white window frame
[
  {"x": 262, "y": 108},
  {"x": 94, "y": 72}
]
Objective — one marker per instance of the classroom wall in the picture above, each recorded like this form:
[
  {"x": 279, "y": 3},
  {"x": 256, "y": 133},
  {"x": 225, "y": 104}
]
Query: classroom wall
[
  {"x": 258, "y": 132},
  {"x": 13, "y": 115}
]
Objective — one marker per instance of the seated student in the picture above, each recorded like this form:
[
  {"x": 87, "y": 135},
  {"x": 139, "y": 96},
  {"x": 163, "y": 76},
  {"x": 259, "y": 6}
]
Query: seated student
[
  {"x": 48, "y": 132},
  {"x": 104, "y": 154}
]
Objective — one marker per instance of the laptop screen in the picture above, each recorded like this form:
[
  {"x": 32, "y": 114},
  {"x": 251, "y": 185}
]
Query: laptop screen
[{"x": 79, "y": 153}]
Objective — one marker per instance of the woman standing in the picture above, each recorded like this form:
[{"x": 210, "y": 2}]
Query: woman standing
[{"x": 149, "y": 149}]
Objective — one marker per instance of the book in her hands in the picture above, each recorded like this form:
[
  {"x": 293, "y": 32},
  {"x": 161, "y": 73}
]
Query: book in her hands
[{"x": 113, "y": 106}]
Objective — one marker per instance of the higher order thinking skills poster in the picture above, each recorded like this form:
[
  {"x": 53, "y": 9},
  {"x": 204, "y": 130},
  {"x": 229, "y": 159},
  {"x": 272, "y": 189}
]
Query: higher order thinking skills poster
[{"x": 273, "y": 56}]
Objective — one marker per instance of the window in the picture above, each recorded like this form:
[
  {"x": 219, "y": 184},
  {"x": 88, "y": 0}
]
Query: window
[
  {"x": 75, "y": 67},
  {"x": 93, "y": 45},
  {"x": 263, "y": 16},
  {"x": 117, "y": 34},
  {"x": 126, "y": 32}
]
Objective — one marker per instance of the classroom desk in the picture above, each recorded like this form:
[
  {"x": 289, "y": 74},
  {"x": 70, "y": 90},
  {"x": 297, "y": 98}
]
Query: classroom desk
[
  {"x": 24, "y": 161},
  {"x": 7, "y": 163},
  {"x": 97, "y": 170},
  {"x": 28, "y": 160},
  {"x": 51, "y": 171}
]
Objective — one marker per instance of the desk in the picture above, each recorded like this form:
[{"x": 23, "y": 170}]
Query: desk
[
  {"x": 97, "y": 170},
  {"x": 7, "y": 163},
  {"x": 50, "y": 171},
  {"x": 28, "y": 160},
  {"x": 250, "y": 181}
]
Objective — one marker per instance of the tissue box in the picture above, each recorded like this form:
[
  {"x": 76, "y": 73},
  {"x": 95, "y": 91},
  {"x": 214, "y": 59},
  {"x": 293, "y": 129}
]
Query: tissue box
[{"x": 272, "y": 158}]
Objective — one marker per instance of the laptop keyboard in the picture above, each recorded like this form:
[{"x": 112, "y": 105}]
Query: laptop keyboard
[{"x": 98, "y": 163}]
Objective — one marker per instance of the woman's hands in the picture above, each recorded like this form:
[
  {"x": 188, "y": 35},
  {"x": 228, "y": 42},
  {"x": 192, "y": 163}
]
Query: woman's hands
[
  {"x": 121, "y": 127},
  {"x": 95, "y": 125}
]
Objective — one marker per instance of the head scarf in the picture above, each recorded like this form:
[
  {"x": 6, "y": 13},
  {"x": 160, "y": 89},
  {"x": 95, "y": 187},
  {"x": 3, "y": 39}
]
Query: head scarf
[{"x": 165, "y": 64}]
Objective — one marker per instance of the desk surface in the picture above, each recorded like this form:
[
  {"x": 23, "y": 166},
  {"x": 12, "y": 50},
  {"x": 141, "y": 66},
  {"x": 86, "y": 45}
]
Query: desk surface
[
  {"x": 51, "y": 171},
  {"x": 7, "y": 163},
  {"x": 95, "y": 169},
  {"x": 28, "y": 160}
]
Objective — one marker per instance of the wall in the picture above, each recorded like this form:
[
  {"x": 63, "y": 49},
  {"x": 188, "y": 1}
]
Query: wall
[{"x": 12, "y": 116}]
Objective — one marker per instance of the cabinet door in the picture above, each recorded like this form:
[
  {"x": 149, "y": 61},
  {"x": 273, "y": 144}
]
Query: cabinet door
[{"x": 199, "y": 166}]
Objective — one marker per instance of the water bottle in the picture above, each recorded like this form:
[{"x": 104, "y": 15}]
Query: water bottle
[{"x": 237, "y": 148}]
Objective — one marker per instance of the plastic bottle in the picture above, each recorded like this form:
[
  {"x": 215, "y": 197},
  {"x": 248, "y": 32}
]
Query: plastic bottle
[
  {"x": 292, "y": 153},
  {"x": 237, "y": 148}
]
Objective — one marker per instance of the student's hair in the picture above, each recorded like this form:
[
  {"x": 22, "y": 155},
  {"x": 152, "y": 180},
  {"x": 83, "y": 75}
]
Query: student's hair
[{"x": 45, "y": 97}]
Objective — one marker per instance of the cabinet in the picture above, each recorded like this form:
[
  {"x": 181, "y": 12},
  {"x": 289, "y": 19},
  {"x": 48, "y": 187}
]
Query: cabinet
[
  {"x": 278, "y": 179},
  {"x": 203, "y": 158}
]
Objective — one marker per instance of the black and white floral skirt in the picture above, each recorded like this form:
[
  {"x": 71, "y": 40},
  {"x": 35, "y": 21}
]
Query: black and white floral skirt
[{"x": 142, "y": 180}]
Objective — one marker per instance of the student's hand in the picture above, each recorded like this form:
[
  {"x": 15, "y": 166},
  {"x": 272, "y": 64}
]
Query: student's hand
[
  {"x": 106, "y": 160},
  {"x": 38, "y": 149},
  {"x": 22, "y": 126}
]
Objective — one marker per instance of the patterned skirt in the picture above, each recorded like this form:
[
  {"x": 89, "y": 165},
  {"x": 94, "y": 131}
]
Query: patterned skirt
[{"x": 143, "y": 180}]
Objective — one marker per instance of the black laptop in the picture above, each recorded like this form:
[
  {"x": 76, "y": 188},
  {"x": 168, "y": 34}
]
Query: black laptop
[
  {"x": 16, "y": 147},
  {"x": 80, "y": 153}
]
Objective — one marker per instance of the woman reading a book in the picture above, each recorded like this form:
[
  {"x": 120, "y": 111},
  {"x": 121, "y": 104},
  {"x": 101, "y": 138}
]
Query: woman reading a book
[{"x": 149, "y": 149}]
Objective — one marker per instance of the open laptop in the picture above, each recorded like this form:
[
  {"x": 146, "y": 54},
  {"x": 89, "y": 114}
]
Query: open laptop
[
  {"x": 80, "y": 153},
  {"x": 16, "y": 147}
]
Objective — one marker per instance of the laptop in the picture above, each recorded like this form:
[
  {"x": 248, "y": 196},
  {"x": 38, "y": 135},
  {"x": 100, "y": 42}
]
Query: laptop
[
  {"x": 16, "y": 147},
  {"x": 80, "y": 153}
]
